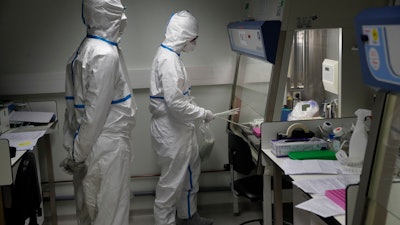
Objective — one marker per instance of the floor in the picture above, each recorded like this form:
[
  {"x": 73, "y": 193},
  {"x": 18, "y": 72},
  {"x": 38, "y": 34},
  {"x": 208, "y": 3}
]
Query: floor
[{"x": 222, "y": 214}]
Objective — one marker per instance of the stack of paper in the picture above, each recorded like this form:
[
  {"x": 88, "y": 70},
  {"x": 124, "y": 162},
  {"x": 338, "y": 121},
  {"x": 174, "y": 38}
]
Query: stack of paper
[
  {"x": 312, "y": 166},
  {"x": 330, "y": 194},
  {"x": 321, "y": 185}
]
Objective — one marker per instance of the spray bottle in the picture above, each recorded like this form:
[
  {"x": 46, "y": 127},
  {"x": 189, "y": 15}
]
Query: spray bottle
[{"x": 359, "y": 138}]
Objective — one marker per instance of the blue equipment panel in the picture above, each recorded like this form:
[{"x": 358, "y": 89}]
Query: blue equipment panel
[
  {"x": 255, "y": 38},
  {"x": 378, "y": 39}
]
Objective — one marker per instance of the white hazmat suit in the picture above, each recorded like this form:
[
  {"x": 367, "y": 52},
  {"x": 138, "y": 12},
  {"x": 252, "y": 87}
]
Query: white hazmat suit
[
  {"x": 99, "y": 117},
  {"x": 173, "y": 125}
]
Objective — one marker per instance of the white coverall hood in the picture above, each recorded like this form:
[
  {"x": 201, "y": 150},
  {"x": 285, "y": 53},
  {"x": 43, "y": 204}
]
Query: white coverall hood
[
  {"x": 181, "y": 29},
  {"x": 174, "y": 114},
  {"x": 104, "y": 18},
  {"x": 99, "y": 117}
]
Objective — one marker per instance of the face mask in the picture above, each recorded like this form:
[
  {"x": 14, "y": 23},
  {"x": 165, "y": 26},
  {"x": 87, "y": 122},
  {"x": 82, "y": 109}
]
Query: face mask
[
  {"x": 122, "y": 26},
  {"x": 189, "y": 47}
]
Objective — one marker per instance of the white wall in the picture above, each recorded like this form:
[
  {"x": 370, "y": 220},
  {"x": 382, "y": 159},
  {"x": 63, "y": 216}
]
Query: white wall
[{"x": 39, "y": 36}]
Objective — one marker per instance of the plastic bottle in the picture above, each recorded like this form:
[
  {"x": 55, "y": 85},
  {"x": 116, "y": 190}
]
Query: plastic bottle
[{"x": 359, "y": 138}]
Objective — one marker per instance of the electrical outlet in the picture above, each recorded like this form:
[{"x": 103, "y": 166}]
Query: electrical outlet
[{"x": 297, "y": 95}]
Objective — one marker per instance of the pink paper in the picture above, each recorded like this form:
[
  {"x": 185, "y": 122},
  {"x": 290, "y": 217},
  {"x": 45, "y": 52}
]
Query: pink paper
[{"x": 338, "y": 196}]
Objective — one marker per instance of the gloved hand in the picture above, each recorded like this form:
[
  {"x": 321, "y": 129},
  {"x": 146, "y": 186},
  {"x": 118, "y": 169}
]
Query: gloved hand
[
  {"x": 209, "y": 116},
  {"x": 72, "y": 167}
]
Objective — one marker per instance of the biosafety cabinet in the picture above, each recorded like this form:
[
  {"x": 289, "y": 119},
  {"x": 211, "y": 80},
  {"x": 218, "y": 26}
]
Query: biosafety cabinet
[
  {"x": 313, "y": 55},
  {"x": 378, "y": 194}
]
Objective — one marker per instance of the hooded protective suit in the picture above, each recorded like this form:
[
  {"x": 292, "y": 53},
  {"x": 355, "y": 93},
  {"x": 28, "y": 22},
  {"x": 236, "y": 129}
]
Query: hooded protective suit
[
  {"x": 172, "y": 124},
  {"x": 99, "y": 117}
]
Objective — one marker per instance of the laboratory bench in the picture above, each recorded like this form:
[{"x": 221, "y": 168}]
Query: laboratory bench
[
  {"x": 274, "y": 169},
  {"x": 14, "y": 164},
  {"x": 299, "y": 216}
]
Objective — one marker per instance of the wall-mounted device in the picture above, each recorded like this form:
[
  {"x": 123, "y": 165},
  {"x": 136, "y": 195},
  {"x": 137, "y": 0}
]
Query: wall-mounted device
[{"x": 330, "y": 75}]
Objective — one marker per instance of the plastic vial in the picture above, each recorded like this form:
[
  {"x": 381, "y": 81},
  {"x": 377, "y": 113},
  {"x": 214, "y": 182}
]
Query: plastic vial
[
  {"x": 326, "y": 130},
  {"x": 338, "y": 134}
]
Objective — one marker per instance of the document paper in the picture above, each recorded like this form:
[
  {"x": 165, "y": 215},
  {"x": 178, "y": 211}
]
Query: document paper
[
  {"x": 322, "y": 206},
  {"x": 312, "y": 166},
  {"x": 23, "y": 140},
  {"x": 320, "y": 185}
]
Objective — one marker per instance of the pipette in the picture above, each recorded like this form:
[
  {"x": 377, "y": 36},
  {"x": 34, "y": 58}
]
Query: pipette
[
  {"x": 230, "y": 121},
  {"x": 228, "y": 112}
]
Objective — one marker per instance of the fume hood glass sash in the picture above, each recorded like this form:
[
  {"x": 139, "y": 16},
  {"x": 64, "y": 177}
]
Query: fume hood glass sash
[{"x": 250, "y": 88}]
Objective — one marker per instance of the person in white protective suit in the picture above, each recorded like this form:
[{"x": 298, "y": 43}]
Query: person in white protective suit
[
  {"x": 173, "y": 135},
  {"x": 99, "y": 118}
]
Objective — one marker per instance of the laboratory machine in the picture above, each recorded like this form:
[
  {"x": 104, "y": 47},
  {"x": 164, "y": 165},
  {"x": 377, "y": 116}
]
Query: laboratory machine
[
  {"x": 308, "y": 52},
  {"x": 378, "y": 31},
  {"x": 311, "y": 55}
]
